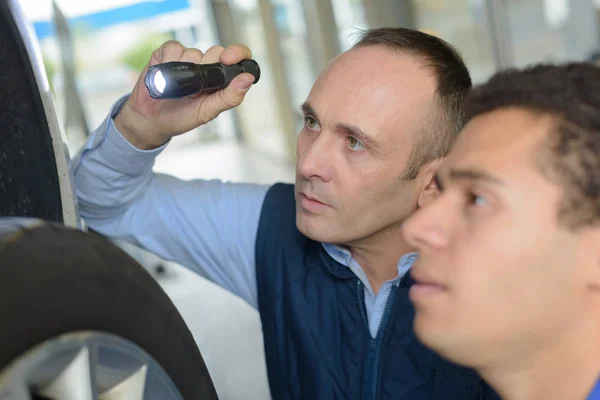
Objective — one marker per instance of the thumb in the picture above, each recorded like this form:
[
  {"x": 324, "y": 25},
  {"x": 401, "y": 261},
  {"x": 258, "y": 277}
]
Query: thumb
[{"x": 232, "y": 96}]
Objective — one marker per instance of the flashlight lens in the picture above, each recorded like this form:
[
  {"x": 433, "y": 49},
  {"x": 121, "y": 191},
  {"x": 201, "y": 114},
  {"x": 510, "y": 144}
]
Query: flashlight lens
[{"x": 159, "y": 82}]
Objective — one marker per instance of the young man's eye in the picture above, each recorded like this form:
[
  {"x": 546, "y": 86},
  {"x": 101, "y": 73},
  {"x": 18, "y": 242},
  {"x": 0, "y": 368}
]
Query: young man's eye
[
  {"x": 311, "y": 123},
  {"x": 477, "y": 201},
  {"x": 354, "y": 144},
  {"x": 438, "y": 183}
]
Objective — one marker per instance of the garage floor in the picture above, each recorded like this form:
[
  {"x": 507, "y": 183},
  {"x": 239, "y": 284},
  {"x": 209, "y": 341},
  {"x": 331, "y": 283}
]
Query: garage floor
[
  {"x": 226, "y": 328},
  {"x": 227, "y": 331}
]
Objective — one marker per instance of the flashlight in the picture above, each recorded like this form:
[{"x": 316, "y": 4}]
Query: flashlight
[{"x": 172, "y": 80}]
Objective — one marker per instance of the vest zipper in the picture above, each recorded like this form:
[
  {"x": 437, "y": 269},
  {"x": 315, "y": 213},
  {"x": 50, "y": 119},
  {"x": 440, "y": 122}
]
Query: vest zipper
[
  {"x": 383, "y": 325},
  {"x": 371, "y": 379},
  {"x": 361, "y": 302},
  {"x": 432, "y": 386}
]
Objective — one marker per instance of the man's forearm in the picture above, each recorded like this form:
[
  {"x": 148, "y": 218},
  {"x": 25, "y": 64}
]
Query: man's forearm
[
  {"x": 109, "y": 172},
  {"x": 208, "y": 226}
]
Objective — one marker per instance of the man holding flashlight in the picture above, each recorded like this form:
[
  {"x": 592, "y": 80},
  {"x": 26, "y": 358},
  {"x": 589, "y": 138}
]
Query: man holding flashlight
[
  {"x": 323, "y": 260},
  {"x": 508, "y": 276}
]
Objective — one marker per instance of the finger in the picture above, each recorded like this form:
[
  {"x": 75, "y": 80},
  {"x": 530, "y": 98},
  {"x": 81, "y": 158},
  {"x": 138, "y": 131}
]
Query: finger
[
  {"x": 235, "y": 53},
  {"x": 192, "y": 55},
  {"x": 169, "y": 51},
  {"x": 212, "y": 55}
]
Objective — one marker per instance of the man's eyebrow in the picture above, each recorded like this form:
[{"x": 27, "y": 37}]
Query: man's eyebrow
[
  {"x": 473, "y": 175},
  {"x": 308, "y": 110},
  {"x": 360, "y": 135}
]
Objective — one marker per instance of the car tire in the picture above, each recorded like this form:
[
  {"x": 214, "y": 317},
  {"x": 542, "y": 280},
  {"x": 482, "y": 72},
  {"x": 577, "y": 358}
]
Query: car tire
[{"x": 56, "y": 280}]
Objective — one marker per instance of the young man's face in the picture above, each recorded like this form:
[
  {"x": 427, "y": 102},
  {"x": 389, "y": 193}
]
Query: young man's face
[
  {"x": 499, "y": 276},
  {"x": 362, "y": 116}
]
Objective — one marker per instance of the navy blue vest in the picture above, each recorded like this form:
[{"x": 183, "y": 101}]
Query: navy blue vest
[{"x": 317, "y": 341}]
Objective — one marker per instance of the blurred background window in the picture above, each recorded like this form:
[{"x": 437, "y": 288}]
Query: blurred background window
[
  {"x": 94, "y": 50},
  {"x": 462, "y": 23},
  {"x": 350, "y": 18}
]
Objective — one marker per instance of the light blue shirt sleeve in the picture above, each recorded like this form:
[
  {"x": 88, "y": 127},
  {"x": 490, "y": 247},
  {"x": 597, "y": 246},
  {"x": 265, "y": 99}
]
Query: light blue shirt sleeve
[{"x": 207, "y": 226}]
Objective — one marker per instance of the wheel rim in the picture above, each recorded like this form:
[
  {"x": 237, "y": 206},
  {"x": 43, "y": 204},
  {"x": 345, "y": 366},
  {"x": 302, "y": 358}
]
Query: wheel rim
[{"x": 86, "y": 366}]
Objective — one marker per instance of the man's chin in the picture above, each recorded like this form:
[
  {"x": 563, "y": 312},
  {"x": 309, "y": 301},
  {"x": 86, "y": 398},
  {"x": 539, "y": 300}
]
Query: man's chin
[{"x": 313, "y": 227}]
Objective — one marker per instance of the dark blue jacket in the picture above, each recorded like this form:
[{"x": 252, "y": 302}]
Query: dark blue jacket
[{"x": 316, "y": 336}]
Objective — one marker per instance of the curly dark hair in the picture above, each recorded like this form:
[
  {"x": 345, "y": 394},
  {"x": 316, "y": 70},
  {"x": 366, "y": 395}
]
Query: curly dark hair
[
  {"x": 569, "y": 93},
  {"x": 453, "y": 84}
]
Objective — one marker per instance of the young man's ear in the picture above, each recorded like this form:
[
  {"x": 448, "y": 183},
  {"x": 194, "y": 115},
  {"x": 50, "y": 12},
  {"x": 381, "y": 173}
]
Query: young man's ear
[
  {"x": 591, "y": 255},
  {"x": 431, "y": 190}
]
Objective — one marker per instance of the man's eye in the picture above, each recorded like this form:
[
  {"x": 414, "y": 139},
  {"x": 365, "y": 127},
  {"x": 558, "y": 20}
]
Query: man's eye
[
  {"x": 311, "y": 123},
  {"x": 354, "y": 144}
]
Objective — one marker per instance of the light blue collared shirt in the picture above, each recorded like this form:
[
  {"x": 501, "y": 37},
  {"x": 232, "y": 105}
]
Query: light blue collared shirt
[
  {"x": 375, "y": 303},
  {"x": 595, "y": 395},
  {"x": 207, "y": 226}
]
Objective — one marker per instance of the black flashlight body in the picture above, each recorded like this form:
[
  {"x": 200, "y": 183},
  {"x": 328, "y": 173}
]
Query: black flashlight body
[{"x": 183, "y": 79}]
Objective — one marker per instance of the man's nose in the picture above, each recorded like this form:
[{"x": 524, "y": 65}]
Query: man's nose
[
  {"x": 316, "y": 161},
  {"x": 428, "y": 227}
]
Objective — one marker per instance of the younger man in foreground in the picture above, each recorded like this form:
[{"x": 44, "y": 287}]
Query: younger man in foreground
[{"x": 508, "y": 274}]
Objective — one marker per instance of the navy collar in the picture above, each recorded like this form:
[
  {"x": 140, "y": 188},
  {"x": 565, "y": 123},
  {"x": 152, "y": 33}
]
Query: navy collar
[{"x": 333, "y": 266}]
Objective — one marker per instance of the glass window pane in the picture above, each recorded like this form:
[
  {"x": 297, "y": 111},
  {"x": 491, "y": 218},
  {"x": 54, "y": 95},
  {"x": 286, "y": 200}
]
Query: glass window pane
[
  {"x": 533, "y": 38},
  {"x": 293, "y": 42},
  {"x": 552, "y": 30},
  {"x": 259, "y": 113},
  {"x": 463, "y": 24},
  {"x": 349, "y": 18}
]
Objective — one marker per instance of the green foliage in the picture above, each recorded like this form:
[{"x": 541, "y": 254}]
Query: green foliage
[
  {"x": 139, "y": 54},
  {"x": 50, "y": 70},
  {"x": 50, "y": 67}
]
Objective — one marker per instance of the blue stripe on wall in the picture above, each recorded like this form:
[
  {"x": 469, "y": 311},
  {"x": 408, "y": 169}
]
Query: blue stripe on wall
[{"x": 134, "y": 12}]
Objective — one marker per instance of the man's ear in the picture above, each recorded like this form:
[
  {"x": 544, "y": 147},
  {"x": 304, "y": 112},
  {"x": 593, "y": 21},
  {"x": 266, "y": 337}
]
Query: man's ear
[{"x": 431, "y": 190}]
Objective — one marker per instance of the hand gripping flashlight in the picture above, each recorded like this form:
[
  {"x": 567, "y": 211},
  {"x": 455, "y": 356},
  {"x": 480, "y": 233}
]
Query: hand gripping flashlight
[{"x": 172, "y": 80}]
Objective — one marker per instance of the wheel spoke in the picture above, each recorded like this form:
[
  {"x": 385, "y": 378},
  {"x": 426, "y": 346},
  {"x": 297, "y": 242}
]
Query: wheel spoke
[
  {"x": 132, "y": 388},
  {"x": 74, "y": 382},
  {"x": 18, "y": 391},
  {"x": 86, "y": 365}
]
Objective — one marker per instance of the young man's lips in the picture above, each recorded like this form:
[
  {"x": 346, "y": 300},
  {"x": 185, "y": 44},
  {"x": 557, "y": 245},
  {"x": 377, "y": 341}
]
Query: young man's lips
[
  {"x": 423, "y": 291},
  {"x": 425, "y": 287}
]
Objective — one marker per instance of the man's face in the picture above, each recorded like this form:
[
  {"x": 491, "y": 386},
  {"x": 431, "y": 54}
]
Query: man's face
[
  {"x": 361, "y": 120},
  {"x": 498, "y": 276}
]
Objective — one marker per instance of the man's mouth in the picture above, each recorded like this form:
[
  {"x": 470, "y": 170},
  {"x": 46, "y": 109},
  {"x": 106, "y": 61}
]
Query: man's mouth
[
  {"x": 311, "y": 203},
  {"x": 311, "y": 198}
]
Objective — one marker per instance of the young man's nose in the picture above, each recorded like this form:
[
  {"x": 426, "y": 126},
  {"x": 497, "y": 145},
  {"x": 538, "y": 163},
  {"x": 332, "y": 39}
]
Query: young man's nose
[{"x": 427, "y": 227}]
